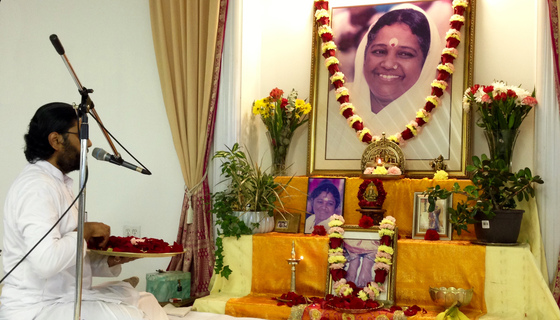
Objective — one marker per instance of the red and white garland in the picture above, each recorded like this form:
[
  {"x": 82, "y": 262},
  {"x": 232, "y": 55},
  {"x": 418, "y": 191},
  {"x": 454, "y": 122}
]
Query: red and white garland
[
  {"x": 444, "y": 70},
  {"x": 382, "y": 266}
]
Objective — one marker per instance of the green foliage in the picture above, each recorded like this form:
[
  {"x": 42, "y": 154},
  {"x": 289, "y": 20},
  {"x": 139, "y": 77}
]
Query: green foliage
[
  {"x": 494, "y": 188},
  {"x": 250, "y": 189}
]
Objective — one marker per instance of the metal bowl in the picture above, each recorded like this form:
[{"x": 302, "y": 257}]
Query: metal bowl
[{"x": 446, "y": 297}]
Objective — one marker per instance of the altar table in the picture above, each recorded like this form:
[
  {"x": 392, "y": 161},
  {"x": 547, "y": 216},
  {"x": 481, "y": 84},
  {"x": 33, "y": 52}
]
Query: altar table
[{"x": 507, "y": 283}]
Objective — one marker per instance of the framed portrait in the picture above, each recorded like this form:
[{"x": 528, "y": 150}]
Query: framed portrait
[
  {"x": 360, "y": 249},
  {"x": 286, "y": 222},
  {"x": 438, "y": 219},
  {"x": 389, "y": 69},
  {"x": 325, "y": 197}
]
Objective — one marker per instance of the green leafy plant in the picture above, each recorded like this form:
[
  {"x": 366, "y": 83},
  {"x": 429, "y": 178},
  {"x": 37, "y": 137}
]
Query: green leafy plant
[
  {"x": 250, "y": 188},
  {"x": 494, "y": 188}
]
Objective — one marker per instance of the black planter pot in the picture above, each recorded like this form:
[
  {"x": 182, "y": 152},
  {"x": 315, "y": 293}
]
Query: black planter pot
[{"x": 502, "y": 228}]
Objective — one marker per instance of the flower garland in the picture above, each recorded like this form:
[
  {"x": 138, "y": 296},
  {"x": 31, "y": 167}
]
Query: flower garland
[
  {"x": 444, "y": 70},
  {"x": 382, "y": 266},
  {"x": 381, "y": 194}
]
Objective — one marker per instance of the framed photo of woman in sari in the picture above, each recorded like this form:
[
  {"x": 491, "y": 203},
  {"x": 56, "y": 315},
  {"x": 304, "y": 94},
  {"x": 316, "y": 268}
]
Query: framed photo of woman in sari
[{"x": 389, "y": 52}]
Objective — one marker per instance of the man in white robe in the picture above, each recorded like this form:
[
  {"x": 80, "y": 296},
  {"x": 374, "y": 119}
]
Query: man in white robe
[{"x": 42, "y": 287}]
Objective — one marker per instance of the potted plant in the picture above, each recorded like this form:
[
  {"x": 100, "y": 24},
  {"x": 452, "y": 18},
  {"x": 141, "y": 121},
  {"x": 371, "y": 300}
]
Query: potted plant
[
  {"x": 490, "y": 200},
  {"x": 247, "y": 204}
]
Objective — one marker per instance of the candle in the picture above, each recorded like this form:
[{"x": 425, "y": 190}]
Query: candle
[{"x": 379, "y": 162}]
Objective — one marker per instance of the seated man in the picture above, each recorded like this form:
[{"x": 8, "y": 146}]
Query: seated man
[{"x": 43, "y": 285}]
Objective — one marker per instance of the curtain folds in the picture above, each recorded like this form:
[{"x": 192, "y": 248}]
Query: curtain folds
[
  {"x": 188, "y": 39},
  {"x": 553, "y": 6}
]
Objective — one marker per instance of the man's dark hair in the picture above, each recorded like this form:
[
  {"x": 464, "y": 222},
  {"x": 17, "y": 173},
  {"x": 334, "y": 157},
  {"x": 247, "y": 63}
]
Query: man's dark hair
[
  {"x": 52, "y": 117},
  {"x": 415, "y": 20},
  {"x": 329, "y": 187}
]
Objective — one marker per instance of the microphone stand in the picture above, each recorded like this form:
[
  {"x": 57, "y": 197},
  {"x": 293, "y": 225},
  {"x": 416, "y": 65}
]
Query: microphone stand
[{"x": 84, "y": 137}]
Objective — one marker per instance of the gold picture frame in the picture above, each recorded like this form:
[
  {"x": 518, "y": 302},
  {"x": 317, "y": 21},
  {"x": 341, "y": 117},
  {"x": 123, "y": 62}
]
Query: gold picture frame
[
  {"x": 334, "y": 147},
  {"x": 356, "y": 233},
  {"x": 286, "y": 222}
]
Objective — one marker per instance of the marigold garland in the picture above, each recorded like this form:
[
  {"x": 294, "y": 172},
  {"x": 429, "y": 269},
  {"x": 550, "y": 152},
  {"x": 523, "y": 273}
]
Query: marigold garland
[{"x": 444, "y": 71}]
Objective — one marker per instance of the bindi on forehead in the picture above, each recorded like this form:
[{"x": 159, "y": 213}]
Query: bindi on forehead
[{"x": 394, "y": 42}]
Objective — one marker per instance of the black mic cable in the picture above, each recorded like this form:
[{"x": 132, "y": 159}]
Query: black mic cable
[{"x": 117, "y": 141}]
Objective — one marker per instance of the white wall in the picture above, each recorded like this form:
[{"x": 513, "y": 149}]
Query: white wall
[{"x": 109, "y": 44}]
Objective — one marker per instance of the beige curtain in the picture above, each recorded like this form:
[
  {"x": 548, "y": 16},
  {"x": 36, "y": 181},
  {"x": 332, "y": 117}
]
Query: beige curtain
[
  {"x": 188, "y": 39},
  {"x": 553, "y": 6}
]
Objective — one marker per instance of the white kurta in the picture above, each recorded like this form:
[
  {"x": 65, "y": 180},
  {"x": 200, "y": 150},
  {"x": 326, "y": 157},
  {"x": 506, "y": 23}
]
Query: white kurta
[{"x": 43, "y": 285}]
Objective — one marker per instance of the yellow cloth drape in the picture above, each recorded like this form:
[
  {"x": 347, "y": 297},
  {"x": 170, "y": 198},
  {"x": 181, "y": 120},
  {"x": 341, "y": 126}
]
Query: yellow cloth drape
[
  {"x": 271, "y": 274},
  {"x": 188, "y": 39},
  {"x": 421, "y": 264},
  {"x": 399, "y": 202}
]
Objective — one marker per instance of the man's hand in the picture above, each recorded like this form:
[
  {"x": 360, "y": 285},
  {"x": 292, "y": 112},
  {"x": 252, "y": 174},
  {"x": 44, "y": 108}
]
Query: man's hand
[
  {"x": 113, "y": 261},
  {"x": 97, "y": 232}
]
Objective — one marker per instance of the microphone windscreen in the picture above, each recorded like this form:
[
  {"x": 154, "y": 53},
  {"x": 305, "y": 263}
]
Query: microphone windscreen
[{"x": 98, "y": 153}]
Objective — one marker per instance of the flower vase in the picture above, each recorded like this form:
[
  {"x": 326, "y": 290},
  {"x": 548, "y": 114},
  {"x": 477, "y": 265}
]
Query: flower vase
[
  {"x": 501, "y": 144},
  {"x": 279, "y": 147}
]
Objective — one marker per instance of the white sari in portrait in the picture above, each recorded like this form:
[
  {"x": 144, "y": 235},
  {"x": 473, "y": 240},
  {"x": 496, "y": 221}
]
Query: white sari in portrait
[{"x": 342, "y": 142}]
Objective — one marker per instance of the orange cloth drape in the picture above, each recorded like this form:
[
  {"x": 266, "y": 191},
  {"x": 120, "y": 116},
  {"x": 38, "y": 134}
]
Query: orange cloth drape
[{"x": 272, "y": 274}]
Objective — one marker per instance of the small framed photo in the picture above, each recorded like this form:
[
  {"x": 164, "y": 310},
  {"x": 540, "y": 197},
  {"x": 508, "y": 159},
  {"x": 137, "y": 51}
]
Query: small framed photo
[
  {"x": 360, "y": 250},
  {"x": 324, "y": 198},
  {"x": 438, "y": 220},
  {"x": 286, "y": 222}
]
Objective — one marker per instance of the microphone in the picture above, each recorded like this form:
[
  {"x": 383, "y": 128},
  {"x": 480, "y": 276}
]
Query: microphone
[{"x": 101, "y": 154}]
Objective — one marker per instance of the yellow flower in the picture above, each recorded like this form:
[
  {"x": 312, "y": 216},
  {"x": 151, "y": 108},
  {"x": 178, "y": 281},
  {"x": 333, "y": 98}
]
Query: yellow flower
[
  {"x": 380, "y": 170},
  {"x": 441, "y": 175},
  {"x": 362, "y": 295}
]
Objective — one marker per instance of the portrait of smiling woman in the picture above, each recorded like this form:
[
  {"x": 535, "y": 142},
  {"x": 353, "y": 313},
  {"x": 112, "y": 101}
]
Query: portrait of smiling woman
[
  {"x": 325, "y": 198},
  {"x": 395, "y": 51},
  {"x": 394, "y": 65}
]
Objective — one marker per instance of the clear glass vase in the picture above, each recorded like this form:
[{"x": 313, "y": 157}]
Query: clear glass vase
[
  {"x": 501, "y": 144},
  {"x": 279, "y": 147}
]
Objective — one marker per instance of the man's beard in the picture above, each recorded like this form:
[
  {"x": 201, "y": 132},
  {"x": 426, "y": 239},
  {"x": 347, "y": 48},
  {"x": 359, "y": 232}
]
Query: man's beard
[{"x": 69, "y": 160}]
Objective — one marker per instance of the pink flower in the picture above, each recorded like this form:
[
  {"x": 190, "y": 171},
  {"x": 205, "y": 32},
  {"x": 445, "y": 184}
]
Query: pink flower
[
  {"x": 530, "y": 101},
  {"x": 394, "y": 171},
  {"x": 486, "y": 98}
]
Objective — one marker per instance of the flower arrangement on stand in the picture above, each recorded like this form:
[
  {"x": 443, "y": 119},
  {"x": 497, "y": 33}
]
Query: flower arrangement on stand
[
  {"x": 501, "y": 110},
  {"x": 281, "y": 117},
  {"x": 444, "y": 71}
]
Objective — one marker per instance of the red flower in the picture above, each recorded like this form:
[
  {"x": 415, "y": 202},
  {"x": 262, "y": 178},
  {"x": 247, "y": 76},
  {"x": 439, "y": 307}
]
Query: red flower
[
  {"x": 319, "y": 231},
  {"x": 407, "y": 134},
  {"x": 380, "y": 275},
  {"x": 338, "y": 274},
  {"x": 348, "y": 113},
  {"x": 488, "y": 89},
  {"x": 385, "y": 240},
  {"x": 431, "y": 234},
  {"x": 276, "y": 94},
  {"x": 358, "y": 125},
  {"x": 367, "y": 138},
  {"x": 429, "y": 106},
  {"x": 284, "y": 103},
  {"x": 366, "y": 222},
  {"x": 335, "y": 242}
]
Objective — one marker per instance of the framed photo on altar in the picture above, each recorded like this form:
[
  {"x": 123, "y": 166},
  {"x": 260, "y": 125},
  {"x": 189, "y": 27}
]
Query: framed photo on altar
[
  {"x": 360, "y": 249},
  {"x": 438, "y": 220},
  {"x": 325, "y": 197},
  {"x": 286, "y": 222},
  {"x": 375, "y": 82}
]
